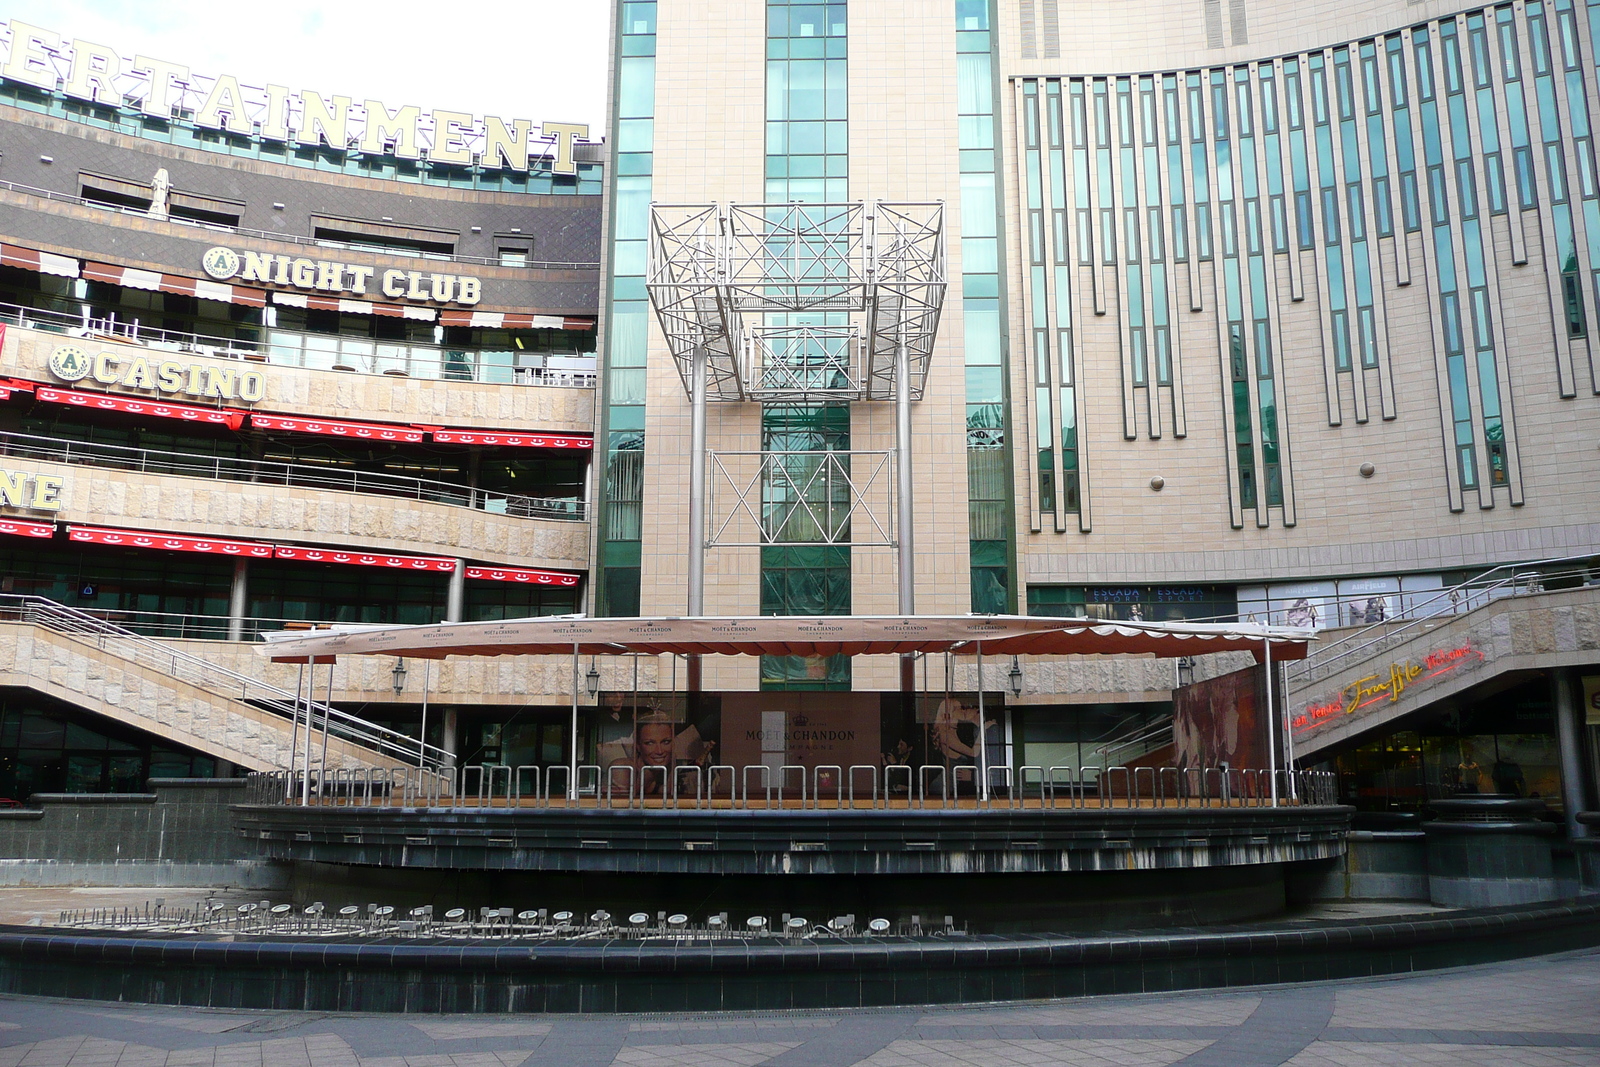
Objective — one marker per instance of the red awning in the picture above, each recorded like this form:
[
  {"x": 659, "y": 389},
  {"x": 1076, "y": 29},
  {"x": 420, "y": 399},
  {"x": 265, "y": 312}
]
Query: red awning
[
  {"x": 228, "y": 417},
  {"x": 850, "y": 635},
  {"x": 517, "y": 574},
  {"x": 110, "y": 535},
  {"x": 365, "y": 559},
  {"x": 353, "y": 431},
  {"x": 17, "y": 528},
  {"x": 511, "y": 439},
  {"x": 503, "y": 320},
  {"x": 156, "y": 282}
]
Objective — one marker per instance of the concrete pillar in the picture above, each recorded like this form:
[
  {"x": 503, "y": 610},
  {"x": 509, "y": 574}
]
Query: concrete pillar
[
  {"x": 447, "y": 735},
  {"x": 238, "y": 599},
  {"x": 456, "y": 599},
  {"x": 1567, "y": 704}
]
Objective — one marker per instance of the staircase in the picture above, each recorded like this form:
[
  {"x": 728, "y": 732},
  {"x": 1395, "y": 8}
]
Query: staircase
[
  {"x": 1512, "y": 619},
  {"x": 168, "y": 691}
]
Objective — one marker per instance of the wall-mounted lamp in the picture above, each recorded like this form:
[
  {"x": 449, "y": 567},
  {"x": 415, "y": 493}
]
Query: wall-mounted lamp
[
  {"x": 1015, "y": 675},
  {"x": 593, "y": 679},
  {"x": 1185, "y": 671},
  {"x": 399, "y": 674}
]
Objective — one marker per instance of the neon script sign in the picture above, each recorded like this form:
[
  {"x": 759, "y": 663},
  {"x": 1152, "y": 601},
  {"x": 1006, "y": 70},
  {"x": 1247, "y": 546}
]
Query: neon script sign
[{"x": 1387, "y": 688}]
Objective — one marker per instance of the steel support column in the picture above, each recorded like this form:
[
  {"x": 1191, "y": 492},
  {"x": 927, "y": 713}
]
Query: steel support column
[{"x": 697, "y": 486}]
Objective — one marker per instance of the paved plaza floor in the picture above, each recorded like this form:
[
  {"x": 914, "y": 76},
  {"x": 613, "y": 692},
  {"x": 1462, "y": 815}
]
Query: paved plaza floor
[{"x": 1542, "y": 1012}]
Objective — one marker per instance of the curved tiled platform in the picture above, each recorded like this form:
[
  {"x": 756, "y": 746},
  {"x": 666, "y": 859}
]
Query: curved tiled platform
[{"x": 546, "y": 976}]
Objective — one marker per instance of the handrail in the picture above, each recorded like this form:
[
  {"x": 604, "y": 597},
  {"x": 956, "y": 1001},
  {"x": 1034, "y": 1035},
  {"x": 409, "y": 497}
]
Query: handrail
[
  {"x": 272, "y": 472},
  {"x": 320, "y": 351},
  {"x": 623, "y": 787},
  {"x": 288, "y": 238},
  {"x": 1515, "y": 579},
  {"x": 174, "y": 662}
]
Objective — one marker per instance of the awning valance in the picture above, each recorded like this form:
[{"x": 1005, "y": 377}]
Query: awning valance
[
  {"x": 138, "y": 406},
  {"x": 215, "y": 546},
  {"x": 18, "y": 528},
  {"x": 507, "y": 439},
  {"x": 520, "y": 574},
  {"x": 346, "y": 306},
  {"x": 366, "y": 559},
  {"x": 353, "y": 431},
  {"x": 39, "y": 262},
  {"x": 796, "y": 636}
]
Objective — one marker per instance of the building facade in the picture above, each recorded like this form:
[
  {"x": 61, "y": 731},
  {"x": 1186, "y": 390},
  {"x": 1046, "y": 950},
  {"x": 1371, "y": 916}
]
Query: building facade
[
  {"x": 1251, "y": 311},
  {"x": 276, "y": 358},
  {"x": 1209, "y": 312}
]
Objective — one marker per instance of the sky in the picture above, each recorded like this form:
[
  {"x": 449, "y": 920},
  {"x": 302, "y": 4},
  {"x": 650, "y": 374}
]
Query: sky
[{"x": 543, "y": 60}]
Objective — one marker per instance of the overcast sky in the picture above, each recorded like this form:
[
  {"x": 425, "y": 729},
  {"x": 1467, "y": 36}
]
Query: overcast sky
[{"x": 533, "y": 59}]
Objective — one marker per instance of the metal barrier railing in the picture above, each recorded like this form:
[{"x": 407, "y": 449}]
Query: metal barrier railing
[
  {"x": 268, "y": 472},
  {"x": 301, "y": 709},
  {"x": 1497, "y": 583},
  {"x": 763, "y": 787}
]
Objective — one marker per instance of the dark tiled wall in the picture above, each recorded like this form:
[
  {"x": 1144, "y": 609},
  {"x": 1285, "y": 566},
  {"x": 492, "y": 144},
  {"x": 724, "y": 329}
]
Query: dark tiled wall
[{"x": 181, "y": 821}]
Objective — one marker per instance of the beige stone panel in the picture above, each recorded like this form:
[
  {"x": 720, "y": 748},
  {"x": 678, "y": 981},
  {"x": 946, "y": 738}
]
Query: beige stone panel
[
  {"x": 1141, "y": 35},
  {"x": 333, "y": 394},
  {"x": 105, "y": 678},
  {"x": 205, "y": 508}
]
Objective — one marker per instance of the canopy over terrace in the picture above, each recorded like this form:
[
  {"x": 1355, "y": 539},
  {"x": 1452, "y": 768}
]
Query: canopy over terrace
[{"x": 852, "y": 635}]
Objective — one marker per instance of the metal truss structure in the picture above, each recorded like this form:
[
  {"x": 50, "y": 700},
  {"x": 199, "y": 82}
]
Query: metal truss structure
[
  {"x": 801, "y": 498},
  {"x": 799, "y": 302}
]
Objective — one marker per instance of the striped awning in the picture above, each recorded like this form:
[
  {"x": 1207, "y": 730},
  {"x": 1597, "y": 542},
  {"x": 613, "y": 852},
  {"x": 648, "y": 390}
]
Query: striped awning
[
  {"x": 157, "y": 282},
  {"x": 40, "y": 262},
  {"x": 133, "y": 405},
  {"x": 507, "y": 320},
  {"x": 347, "y": 306}
]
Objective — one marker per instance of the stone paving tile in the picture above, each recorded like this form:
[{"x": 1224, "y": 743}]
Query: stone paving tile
[
  {"x": 196, "y": 1022},
  {"x": 1370, "y": 1054},
  {"x": 734, "y": 1022},
  {"x": 742, "y": 1054},
  {"x": 1154, "y": 1010},
  {"x": 456, "y": 1031},
  {"x": 1109, "y": 1053},
  {"x": 1564, "y": 999}
]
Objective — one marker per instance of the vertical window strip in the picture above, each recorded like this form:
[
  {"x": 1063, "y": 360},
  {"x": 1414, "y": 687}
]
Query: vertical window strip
[
  {"x": 1059, "y": 127},
  {"x": 807, "y": 159},
  {"x": 990, "y": 518},
  {"x": 618, "y": 585},
  {"x": 1463, "y": 440}
]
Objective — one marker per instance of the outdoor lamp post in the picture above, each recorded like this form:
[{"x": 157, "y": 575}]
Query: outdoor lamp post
[
  {"x": 399, "y": 673},
  {"x": 1015, "y": 674}
]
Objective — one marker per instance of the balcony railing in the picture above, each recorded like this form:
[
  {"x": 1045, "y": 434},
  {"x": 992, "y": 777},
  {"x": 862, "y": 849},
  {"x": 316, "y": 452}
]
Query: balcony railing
[
  {"x": 765, "y": 788},
  {"x": 302, "y": 475},
  {"x": 317, "y": 351}
]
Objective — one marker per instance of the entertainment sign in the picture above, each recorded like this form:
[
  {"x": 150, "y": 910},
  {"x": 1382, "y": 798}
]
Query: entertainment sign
[{"x": 87, "y": 71}]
